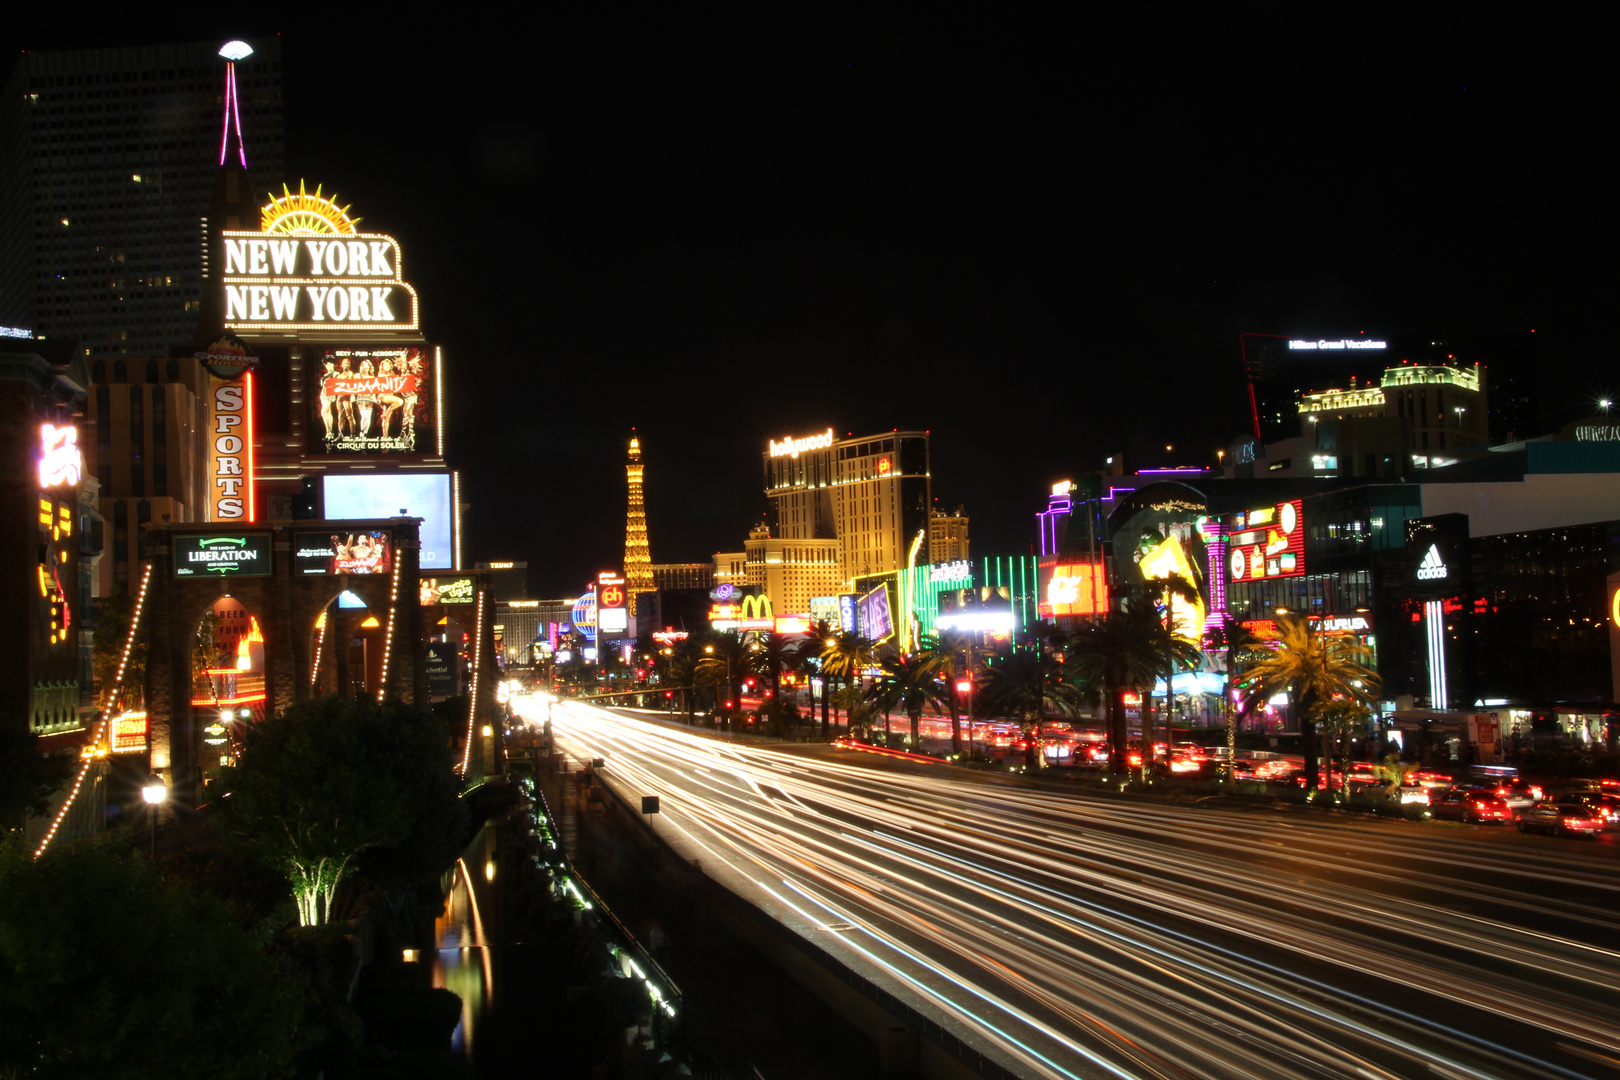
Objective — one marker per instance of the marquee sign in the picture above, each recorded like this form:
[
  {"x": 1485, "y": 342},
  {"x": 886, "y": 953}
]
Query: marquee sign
[
  {"x": 960, "y": 570},
  {"x": 1071, "y": 588},
  {"x": 280, "y": 282},
  {"x": 792, "y": 448},
  {"x": 446, "y": 591}
]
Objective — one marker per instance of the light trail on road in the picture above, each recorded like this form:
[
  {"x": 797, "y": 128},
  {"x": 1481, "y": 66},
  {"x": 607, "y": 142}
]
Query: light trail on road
[{"x": 1069, "y": 935}]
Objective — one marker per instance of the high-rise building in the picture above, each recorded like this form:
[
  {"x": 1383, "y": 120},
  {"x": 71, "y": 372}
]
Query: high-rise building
[
  {"x": 507, "y": 580},
  {"x": 947, "y": 536},
  {"x": 638, "y": 575},
  {"x": 108, "y": 161},
  {"x": 788, "y": 571},
  {"x": 870, "y": 493},
  {"x": 696, "y": 575}
]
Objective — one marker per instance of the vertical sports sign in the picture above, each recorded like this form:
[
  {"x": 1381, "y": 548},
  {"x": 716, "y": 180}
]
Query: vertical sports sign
[{"x": 230, "y": 430}]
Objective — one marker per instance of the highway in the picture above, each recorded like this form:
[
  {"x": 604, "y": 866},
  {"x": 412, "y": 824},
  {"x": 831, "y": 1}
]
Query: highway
[{"x": 1076, "y": 935}]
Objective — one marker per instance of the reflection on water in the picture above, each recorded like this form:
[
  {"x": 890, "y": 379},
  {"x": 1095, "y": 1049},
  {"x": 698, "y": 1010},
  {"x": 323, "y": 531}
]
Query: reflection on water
[{"x": 461, "y": 960}]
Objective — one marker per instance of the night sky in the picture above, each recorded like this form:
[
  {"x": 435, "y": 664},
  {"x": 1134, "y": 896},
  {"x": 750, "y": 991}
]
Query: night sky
[{"x": 1037, "y": 239}]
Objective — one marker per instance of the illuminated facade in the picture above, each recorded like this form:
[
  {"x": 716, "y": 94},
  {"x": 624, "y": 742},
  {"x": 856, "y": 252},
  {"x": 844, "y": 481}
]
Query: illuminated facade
[
  {"x": 46, "y": 536},
  {"x": 638, "y": 576},
  {"x": 107, "y": 162},
  {"x": 872, "y": 494},
  {"x": 1418, "y": 416},
  {"x": 790, "y": 572},
  {"x": 947, "y": 536}
]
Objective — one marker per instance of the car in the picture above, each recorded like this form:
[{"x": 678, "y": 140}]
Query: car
[
  {"x": 1569, "y": 819},
  {"x": 1471, "y": 804},
  {"x": 1606, "y": 805},
  {"x": 1519, "y": 793}
]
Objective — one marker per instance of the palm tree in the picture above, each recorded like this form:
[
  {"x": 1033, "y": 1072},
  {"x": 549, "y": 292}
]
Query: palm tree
[
  {"x": 910, "y": 683},
  {"x": 1029, "y": 684},
  {"x": 1313, "y": 668},
  {"x": 1120, "y": 651},
  {"x": 952, "y": 650},
  {"x": 726, "y": 660},
  {"x": 846, "y": 655}
]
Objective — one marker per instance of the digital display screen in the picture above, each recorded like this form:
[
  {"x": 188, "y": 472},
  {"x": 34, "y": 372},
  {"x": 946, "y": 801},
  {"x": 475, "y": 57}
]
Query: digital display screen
[
  {"x": 366, "y": 551},
  {"x": 373, "y": 401},
  {"x": 1268, "y": 542},
  {"x": 446, "y": 591},
  {"x": 222, "y": 555},
  {"x": 1069, "y": 588},
  {"x": 425, "y": 495}
]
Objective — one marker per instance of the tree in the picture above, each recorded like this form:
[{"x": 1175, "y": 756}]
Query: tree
[
  {"x": 1340, "y": 719},
  {"x": 1029, "y": 685},
  {"x": 113, "y": 617},
  {"x": 911, "y": 684},
  {"x": 27, "y": 777},
  {"x": 1312, "y": 668},
  {"x": 107, "y": 971},
  {"x": 334, "y": 783},
  {"x": 1120, "y": 651},
  {"x": 726, "y": 660},
  {"x": 846, "y": 655},
  {"x": 952, "y": 650}
]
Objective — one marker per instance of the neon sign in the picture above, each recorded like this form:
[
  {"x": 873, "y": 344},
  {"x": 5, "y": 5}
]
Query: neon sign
[
  {"x": 794, "y": 447},
  {"x": 960, "y": 570},
  {"x": 277, "y": 282},
  {"x": 231, "y": 452},
  {"x": 1073, "y": 589},
  {"x": 60, "y": 461},
  {"x": 1267, "y": 542}
]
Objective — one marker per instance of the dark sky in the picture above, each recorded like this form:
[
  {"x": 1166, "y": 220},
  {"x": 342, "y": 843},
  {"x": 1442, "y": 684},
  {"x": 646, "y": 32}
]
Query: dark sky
[{"x": 1037, "y": 239}]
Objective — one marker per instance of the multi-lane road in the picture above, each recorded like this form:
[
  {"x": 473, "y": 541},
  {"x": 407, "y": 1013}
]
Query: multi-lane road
[{"x": 1075, "y": 935}]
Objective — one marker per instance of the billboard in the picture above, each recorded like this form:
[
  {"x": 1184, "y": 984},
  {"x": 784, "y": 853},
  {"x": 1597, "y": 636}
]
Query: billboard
[
  {"x": 426, "y": 495},
  {"x": 373, "y": 401},
  {"x": 221, "y": 555},
  {"x": 876, "y": 621},
  {"x": 1169, "y": 559},
  {"x": 612, "y": 603},
  {"x": 364, "y": 551},
  {"x": 431, "y": 591},
  {"x": 1071, "y": 588},
  {"x": 1267, "y": 542}
]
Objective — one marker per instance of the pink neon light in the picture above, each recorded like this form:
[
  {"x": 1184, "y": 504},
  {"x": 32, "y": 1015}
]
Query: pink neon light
[
  {"x": 225, "y": 135},
  {"x": 236, "y": 111}
]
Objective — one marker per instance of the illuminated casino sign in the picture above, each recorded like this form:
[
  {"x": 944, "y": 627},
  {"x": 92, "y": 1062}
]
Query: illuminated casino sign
[
  {"x": 959, "y": 571},
  {"x": 1268, "y": 542},
  {"x": 230, "y": 435},
  {"x": 612, "y": 602},
  {"x": 794, "y": 447},
  {"x": 246, "y": 555},
  {"x": 310, "y": 269}
]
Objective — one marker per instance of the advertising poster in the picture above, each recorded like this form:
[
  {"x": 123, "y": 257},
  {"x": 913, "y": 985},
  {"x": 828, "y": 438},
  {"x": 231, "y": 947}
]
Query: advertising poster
[
  {"x": 1071, "y": 588},
  {"x": 876, "y": 621},
  {"x": 373, "y": 401},
  {"x": 447, "y": 591},
  {"x": 369, "y": 551}
]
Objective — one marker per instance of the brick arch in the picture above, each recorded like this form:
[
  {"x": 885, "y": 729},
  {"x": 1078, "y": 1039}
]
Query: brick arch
[{"x": 286, "y": 605}]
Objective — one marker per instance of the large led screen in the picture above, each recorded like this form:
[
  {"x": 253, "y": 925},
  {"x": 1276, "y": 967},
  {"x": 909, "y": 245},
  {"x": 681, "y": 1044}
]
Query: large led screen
[
  {"x": 385, "y": 495},
  {"x": 373, "y": 401},
  {"x": 1071, "y": 588},
  {"x": 1267, "y": 542}
]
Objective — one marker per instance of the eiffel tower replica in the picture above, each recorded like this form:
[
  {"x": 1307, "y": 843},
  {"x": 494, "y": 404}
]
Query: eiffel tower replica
[{"x": 638, "y": 575}]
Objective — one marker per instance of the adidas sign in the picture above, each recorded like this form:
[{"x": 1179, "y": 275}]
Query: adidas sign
[{"x": 1431, "y": 568}]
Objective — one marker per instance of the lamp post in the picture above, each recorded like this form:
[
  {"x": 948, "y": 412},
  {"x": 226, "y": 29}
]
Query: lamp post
[{"x": 153, "y": 794}]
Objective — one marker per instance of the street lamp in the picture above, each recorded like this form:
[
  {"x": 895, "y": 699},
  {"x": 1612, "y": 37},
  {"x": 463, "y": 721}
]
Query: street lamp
[{"x": 153, "y": 794}]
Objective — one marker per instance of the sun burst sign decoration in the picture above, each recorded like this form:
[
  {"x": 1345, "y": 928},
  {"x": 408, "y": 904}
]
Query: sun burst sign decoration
[{"x": 304, "y": 214}]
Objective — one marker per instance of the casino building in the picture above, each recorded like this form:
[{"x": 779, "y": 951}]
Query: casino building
[{"x": 870, "y": 495}]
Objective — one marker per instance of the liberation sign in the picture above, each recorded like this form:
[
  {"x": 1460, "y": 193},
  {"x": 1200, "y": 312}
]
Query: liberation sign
[{"x": 243, "y": 555}]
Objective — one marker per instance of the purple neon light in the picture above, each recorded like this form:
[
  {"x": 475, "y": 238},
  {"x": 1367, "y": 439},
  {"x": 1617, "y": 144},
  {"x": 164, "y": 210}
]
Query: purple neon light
[{"x": 1186, "y": 470}]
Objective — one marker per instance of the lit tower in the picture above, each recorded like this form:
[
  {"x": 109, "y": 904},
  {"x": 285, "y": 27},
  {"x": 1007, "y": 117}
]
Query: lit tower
[{"x": 638, "y": 575}]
